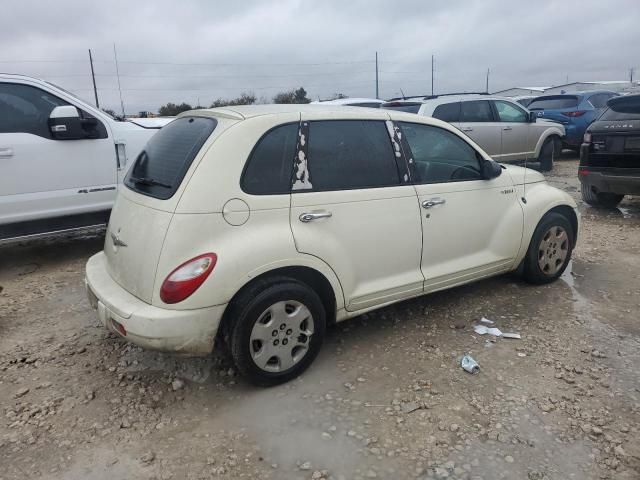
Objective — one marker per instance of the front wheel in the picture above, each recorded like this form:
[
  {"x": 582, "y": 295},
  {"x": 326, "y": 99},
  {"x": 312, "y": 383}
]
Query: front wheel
[
  {"x": 277, "y": 331},
  {"x": 549, "y": 152},
  {"x": 550, "y": 249}
]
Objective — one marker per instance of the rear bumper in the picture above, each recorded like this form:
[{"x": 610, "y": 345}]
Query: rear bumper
[
  {"x": 621, "y": 181},
  {"x": 186, "y": 332}
]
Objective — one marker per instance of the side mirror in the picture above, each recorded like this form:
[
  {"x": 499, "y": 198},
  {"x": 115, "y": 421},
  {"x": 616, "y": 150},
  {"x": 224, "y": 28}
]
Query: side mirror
[
  {"x": 533, "y": 116},
  {"x": 491, "y": 169},
  {"x": 65, "y": 123}
]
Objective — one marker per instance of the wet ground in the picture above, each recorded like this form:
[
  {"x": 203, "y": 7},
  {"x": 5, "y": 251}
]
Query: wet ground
[{"x": 386, "y": 398}]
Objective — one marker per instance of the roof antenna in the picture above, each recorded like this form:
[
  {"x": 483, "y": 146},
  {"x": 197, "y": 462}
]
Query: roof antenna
[
  {"x": 403, "y": 97},
  {"x": 524, "y": 177}
]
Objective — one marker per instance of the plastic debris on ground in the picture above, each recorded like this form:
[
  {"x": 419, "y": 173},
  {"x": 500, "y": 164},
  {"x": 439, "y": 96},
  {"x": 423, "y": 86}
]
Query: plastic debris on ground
[
  {"x": 495, "y": 331},
  {"x": 469, "y": 364}
]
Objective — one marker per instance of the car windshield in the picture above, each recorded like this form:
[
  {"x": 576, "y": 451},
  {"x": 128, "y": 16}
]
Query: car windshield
[
  {"x": 622, "y": 109},
  {"x": 555, "y": 102}
]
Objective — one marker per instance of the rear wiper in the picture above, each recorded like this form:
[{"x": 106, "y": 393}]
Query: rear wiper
[{"x": 149, "y": 181}]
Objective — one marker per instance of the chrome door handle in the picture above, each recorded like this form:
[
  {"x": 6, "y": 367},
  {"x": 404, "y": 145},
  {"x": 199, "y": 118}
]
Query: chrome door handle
[
  {"x": 310, "y": 216},
  {"x": 6, "y": 152},
  {"x": 467, "y": 129},
  {"x": 507, "y": 128},
  {"x": 433, "y": 202}
]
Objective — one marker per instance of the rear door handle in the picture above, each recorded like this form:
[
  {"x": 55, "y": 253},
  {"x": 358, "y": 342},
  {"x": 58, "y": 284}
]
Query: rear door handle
[
  {"x": 433, "y": 202},
  {"x": 310, "y": 216},
  {"x": 6, "y": 152},
  {"x": 507, "y": 128}
]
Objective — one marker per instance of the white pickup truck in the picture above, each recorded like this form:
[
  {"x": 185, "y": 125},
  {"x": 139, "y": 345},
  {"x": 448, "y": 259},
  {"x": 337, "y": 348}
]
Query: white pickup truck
[{"x": 61, "y": 160}]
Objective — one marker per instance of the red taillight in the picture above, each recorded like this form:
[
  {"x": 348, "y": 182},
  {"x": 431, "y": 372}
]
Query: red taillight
[
  {"x": 187, "y": 278},
  {"x": 582, "y": 172},
  {"x": 577, "y": 113}
]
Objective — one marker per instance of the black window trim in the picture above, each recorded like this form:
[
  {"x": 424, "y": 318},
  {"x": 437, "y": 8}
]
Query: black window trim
[
  {"x": 458, "y": 103},
  {"x": 253, "y": 149},
  {"x": 409, "y": 155},
  {"x": 398, "y": 161}
]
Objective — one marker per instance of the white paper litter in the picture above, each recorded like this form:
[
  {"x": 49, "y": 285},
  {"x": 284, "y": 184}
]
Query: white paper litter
[
  {"x": 511, "y": 335},
  {"x": 482, "y": 330},
  {"x": 487, "y": 321}
]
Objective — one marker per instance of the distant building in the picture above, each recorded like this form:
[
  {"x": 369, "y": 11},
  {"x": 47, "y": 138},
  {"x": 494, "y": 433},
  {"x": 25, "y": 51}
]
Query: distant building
[
  {"x": 620, "y": 86},
  {"x": 519, "y": 91}
]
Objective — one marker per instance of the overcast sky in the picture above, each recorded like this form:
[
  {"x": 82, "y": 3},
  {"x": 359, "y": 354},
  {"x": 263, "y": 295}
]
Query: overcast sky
[{"x": 187, "y": 51}]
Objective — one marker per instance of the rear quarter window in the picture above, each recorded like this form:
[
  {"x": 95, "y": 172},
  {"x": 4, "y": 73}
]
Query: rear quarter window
[
  {"x": 270, "y": 165},
  {"x": 161, "y": 166}
]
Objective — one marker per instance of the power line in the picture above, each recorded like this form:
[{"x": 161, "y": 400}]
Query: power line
[{"x": 355, "y": 62}]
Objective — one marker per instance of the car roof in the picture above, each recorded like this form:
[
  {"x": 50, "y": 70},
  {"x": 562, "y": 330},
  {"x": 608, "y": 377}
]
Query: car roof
[
  {"x": 241, "y": 112},
  {"x": 346, "y": 101}
]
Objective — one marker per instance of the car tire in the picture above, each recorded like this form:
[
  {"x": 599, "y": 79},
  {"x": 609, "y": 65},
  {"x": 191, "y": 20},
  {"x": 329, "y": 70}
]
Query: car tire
[
  {"x": 550, "y": 249},
  {"x": 278, "y": 327},
  {"x": 549, "y": 152},
  {"x": 600, "y": 199}
]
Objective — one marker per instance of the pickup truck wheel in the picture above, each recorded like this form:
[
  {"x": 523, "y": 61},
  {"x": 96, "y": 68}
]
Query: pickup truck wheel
[
  {"x": 277, "y": 331},
  {"x": 550, "y": 150},
  {"x": 600, "y": 199},
  {"x": 550, "y": 249}
]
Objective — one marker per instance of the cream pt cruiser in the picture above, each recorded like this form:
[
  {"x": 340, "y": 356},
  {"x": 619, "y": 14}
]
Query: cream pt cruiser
[{"x": 262, "y": 225}]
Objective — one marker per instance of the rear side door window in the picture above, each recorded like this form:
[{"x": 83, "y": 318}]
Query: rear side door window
[
  {"x": 350, "y": 154},
  {"x": 448, "y": 112},
  {"x": 270, "y": 165},
  {"x": 476, "y": 111},
  {"x": 439, "y": 156}
]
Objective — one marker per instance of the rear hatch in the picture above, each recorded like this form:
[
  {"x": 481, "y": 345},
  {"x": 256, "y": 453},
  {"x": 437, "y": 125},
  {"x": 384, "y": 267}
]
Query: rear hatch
[
  {"x": 559, "y": 108},
  {"x": 615, "y": 136},
  {"x": 145, "y": 204}
]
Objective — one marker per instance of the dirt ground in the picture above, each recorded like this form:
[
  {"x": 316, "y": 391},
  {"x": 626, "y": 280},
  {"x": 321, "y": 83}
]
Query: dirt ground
[{"x": 386, "y": 398}]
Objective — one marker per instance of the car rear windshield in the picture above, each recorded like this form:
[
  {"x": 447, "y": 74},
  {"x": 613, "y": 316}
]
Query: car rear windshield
[
  {"x": 402, "y": 106},
  {"x": 161, "y": 166},
  {"x": 622, "y": 109},
  {"x": 554, "y": 103}
]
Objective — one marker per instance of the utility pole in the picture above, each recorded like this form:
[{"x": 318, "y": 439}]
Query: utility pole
[
  {"x": 115, "y": 56},
  {"x": 432, "y": 62},
  {"x": 93, "y": 77},
  {"x": 631, "y": 75},
  {"x": 487, "y": 87},
  {"x": 377, "y": 92}
]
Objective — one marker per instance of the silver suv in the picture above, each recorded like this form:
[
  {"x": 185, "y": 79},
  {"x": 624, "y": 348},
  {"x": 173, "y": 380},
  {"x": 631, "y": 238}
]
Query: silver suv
[{"x": 502, "y": 127}]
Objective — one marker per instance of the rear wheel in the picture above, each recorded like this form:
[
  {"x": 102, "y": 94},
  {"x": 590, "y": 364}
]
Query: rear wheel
[
  {"x": 600, "y": 199},
  {"x": 550, "y": 249},
  {"x": 549, "y": 152},
  {"x": 277, "y": 331}
]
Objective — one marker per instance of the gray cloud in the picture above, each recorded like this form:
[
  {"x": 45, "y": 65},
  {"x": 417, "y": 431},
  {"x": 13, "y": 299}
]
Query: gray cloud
[{"x": 185, "y": 51}]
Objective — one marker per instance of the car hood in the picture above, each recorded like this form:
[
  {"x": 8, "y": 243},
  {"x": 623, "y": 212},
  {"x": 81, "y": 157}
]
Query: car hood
[{"x": 520, "y": 174}]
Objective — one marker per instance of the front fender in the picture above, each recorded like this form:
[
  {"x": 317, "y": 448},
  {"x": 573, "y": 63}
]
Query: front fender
[{"x": 541, "y": 198}]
